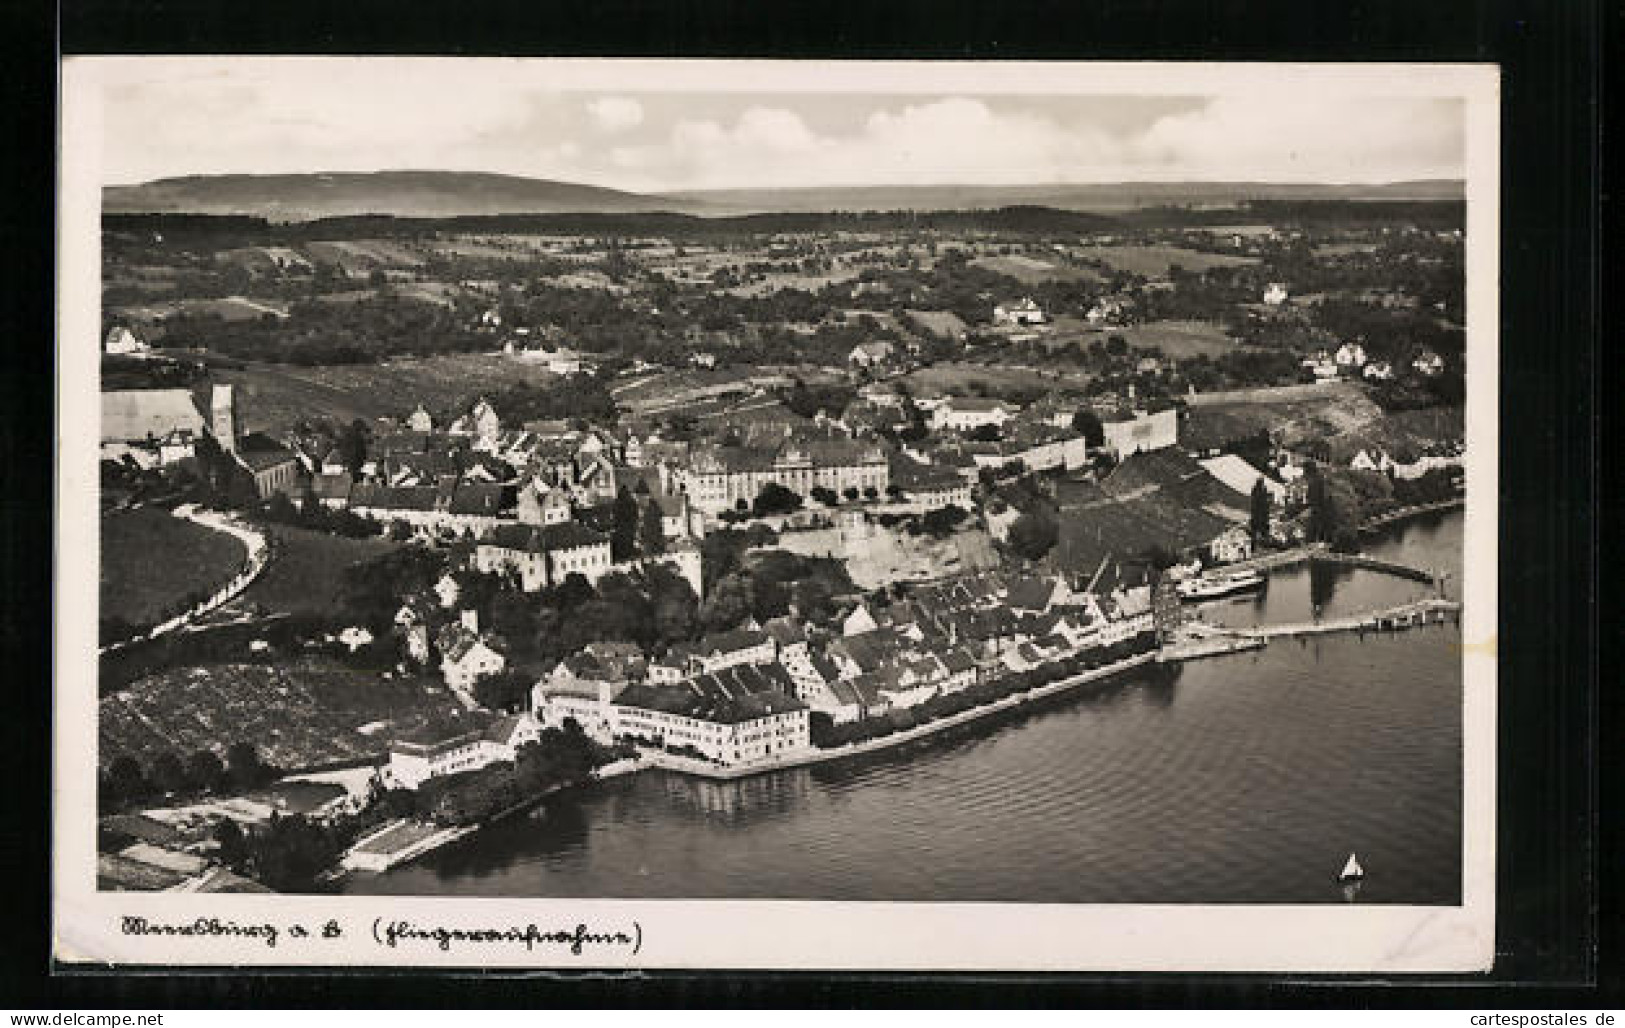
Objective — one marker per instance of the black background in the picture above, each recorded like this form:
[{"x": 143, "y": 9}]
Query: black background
[{"x": 1552, "y": 933}]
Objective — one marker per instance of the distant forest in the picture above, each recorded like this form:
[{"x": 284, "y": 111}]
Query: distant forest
[{"x": 226, "y": 230}]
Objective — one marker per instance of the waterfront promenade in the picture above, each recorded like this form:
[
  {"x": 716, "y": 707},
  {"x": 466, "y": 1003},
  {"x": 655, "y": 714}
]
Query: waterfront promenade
[{"x": 702, "y": 769}]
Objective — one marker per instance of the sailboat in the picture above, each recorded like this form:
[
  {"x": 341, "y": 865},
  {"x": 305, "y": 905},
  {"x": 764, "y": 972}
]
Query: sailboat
[{"x": 1352, "y": 871}]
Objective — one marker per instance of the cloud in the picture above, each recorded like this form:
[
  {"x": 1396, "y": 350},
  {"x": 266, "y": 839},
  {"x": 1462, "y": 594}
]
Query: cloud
[
  {"x": 291, "y": 115},
  {"x": 615, "y": 113},
  {"x": 971, "y": 141},
  {"x": 1309, "y": 138}
]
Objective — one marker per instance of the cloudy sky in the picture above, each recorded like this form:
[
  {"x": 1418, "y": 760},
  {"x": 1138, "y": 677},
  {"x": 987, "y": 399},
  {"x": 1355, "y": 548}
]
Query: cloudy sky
[{"x": 656, "y": 127}]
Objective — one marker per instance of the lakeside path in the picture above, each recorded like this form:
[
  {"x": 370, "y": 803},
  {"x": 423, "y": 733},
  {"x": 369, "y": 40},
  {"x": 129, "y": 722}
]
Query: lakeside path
[{"x": 701, "y": 769}]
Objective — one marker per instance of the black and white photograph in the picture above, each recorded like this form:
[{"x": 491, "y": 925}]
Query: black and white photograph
[{"x": 534, "y": 512}]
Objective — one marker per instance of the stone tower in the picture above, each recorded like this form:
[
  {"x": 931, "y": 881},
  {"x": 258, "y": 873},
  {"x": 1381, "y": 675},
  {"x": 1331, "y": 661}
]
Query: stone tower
[{"x": 223, "y": 418}]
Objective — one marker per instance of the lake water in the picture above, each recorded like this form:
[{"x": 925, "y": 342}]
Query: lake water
[{"x": 1241, "y": 779}]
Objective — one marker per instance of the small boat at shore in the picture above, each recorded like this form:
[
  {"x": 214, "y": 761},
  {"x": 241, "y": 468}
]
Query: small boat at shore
[
  {"x": 1352, "y": 871},
  {"x": 1211, "y": 587}
]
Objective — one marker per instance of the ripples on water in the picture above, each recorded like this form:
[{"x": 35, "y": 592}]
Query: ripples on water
[{"x": 1244, "y": 779}]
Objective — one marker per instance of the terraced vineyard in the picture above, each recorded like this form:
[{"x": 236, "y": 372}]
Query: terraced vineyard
[{"x": 297, "y": 714}]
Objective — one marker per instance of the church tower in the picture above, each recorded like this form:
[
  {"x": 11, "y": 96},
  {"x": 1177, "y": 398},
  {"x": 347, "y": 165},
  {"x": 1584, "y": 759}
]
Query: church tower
[{"x": 223, "y": 418}]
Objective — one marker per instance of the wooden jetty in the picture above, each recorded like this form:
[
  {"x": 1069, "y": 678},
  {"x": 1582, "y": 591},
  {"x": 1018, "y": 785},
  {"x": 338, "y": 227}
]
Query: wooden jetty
[{"x": 1432, "y": 610}]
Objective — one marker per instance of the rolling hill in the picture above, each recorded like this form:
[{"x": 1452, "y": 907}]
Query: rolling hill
[
  {"x": 447, "y": 194},
  {"x": 419, "y": 194},
  {"x": 1106, "y": 197}
]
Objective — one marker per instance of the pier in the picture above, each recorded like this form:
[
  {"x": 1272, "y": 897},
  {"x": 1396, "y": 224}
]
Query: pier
[
  {"x": 1322, "y": 553},
  {"x": 1432, "y": 610}
]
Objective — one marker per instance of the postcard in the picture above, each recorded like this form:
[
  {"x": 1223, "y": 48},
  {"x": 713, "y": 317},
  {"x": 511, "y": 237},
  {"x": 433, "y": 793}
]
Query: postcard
[{"x": 626, "y": 514}]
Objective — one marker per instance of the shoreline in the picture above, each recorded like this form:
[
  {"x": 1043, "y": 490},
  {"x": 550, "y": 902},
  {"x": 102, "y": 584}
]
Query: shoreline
[{"x": 685, "y": 765}]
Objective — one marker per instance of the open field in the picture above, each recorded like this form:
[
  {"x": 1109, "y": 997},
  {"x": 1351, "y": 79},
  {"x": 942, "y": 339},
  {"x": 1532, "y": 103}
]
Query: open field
[
  {"x": 298, "y": 714},
  {"x": 1298, "y": 413},
  {"x": 274, "y": 397},
  {"x": 1403, "y": 435},
  {"x": 230, "y": 308},
  {"x": 1180, "y": 339},
  {"x": 775, "y": 281},
  {"x": 360, "y": 256},
  {"x": 307, "y": 569},
  {"x": 961, "y": 377},
  {"x": 1344, "y": 249},
  {"x": 1176, "y": 339},
  {"x": 1154, "y": 261},
  {"x": 443, "y": 293},
  {"x": 151, "y": 561},
  {"x": 1036, "y": 269}
]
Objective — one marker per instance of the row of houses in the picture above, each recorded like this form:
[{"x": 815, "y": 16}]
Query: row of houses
[{"x": 747, "y": 695}]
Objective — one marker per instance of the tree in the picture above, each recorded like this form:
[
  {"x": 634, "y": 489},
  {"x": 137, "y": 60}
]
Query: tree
[
  {"x": 850, "y": 492},
  {"x": 1087, "y": 424},
  {"x": 941, "y": 521},
  {"x": 244, "y": 765},
  {"x": 775, "y": 499},
  {"x": 1259, "y": 521},
  {"x": 623, "y": 533},
  {"x": 352, "y": 446},
  {"x": 169, "y": 774},
  {"x": 125, "y": 780},
  {"x": 727, "y": 604},
  {"x": 503, "y": 690},
  {"x": 233, "y": 844},
  {"x": 675, "y": 605},
  {"x": 1034, "y": 533},
  {"x": 205, "y": 770},
  {"x": 652, "y": 530},
  {"x": 1322, "y": 518},
  {"x": 290, "y": 853},
  {"x": 984, "y": 434}
]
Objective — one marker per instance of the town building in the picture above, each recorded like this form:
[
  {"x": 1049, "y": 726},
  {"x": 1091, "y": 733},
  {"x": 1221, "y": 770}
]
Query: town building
[
  {"x": 737, "y": 716},
  {"x": 122, "y": 340},
  {"x": 1234, "y": 544},
  {"x": 965, "y": 413},
  {"x": 720, "y": 478},
  {"x": 1428, "y": 363},
  {"x": 464, "y": 744},
  {"x": 544, "y": 555},
  {"x": 138, "y": 419},
  {"x": 1022, "y": 312},
  {"x": 1138, "y": 431},
  {"x": 465, "y": 655},
  {"x": 274, "y": 467},
  {"x": 871, "y": 354},
  {"x": 1275, "y": 294}
]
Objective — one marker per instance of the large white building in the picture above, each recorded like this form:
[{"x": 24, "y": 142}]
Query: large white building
[
  {"x": 1139, "y": 431},
  {"x": 544, "y": 555},
  {"x": 459, "y": 747},
  {"x": 965, "y": 413},
  {"x": 718, "y": 478},
  {"x": 739, "y": 716}
]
